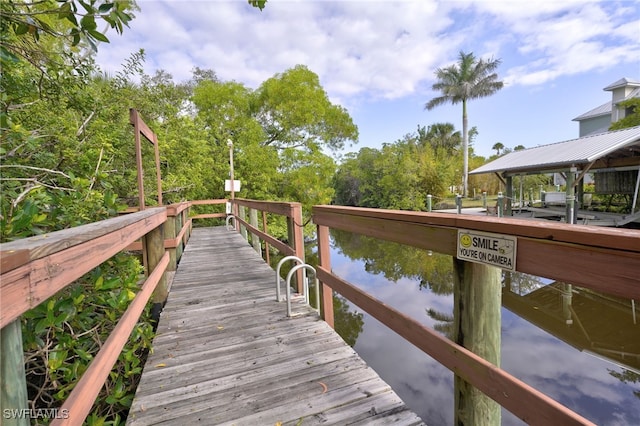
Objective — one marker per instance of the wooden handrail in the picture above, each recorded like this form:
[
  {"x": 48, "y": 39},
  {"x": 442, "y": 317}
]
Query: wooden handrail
[
  {"x": 526, "y": 402},
  {"x": 285, "y": 249},
  {"x": 84, "y": 394},
  {"x": 603, "y": 259},
  {"x": 40, "y": 266},
  {"x": 58, "y": 258},
  {"x": 292, "y": 211},
  {"x": 278, "y": 207},
  {"x": 607, "y": 260}
]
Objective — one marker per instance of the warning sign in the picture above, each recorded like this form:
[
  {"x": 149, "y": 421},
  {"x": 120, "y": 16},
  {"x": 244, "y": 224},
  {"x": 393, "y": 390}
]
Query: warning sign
[{"x": 492, "y": 249}]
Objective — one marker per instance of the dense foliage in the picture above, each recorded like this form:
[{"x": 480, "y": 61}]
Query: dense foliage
[
  {"x": 632, "y": 117},
  {"x": 400, "y": 175},
  {"x": 67, "y": 158}
]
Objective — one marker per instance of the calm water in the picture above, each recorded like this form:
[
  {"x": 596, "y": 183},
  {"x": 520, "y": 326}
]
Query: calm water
[{"x": 418, "y": 283}]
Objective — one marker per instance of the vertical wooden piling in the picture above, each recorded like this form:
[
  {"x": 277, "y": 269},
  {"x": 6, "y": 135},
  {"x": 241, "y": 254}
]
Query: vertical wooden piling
[
  {"x": 255, "y": 241},
  {"x": 170, "y": 233},
  {"x": 266, "y": 231},
  {"x": 571, "y": 197},
  {"x": 13, "y": 393},
  {"x": 295, "y": 234},
  {"x": 324, "y": 260},
  {"x": 509, "y": 201},
  {"x": 477, "y": 295},
  {"x": 243, "y": 216},
  {"x": 179, "y": 221},
  {"x": 155, "y": 251}
]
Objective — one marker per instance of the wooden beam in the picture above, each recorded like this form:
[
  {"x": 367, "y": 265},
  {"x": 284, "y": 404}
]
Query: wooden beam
[
  {"x": 281, "y": 208},
  {"x": 324, "y": 255},
  {"x": 207, "y": 202},
  {"x": 285, "y": 249},
  {"x": 13, "y": 390},
  {"x": 137, "y": 130},
  {"x": 11, "y": 259},
  {"x": 84, "y": 394},
  {"x": 603, "y": 259},
  {"x": 66, "y": 255},
  {"x": 527, "y": 403},
  {"x": 477, "y": 327},
  {"x": 255, "y": 241}
]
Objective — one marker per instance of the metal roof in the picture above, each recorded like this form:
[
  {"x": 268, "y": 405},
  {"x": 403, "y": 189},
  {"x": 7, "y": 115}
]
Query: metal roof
[
  {"x": 562, "y": 155},
  {"x": 604, "y": 109},
  {"x": 621, "y": 83}
]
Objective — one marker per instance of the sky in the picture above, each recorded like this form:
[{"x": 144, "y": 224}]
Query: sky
[{"x": 378, "y": 58}]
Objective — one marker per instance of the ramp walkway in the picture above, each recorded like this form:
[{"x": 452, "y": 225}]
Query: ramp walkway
[{"x": 225, "y": 352}]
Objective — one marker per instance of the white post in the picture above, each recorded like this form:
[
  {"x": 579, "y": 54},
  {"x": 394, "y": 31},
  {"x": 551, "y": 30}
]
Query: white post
[{"x": 230, "y": 145}]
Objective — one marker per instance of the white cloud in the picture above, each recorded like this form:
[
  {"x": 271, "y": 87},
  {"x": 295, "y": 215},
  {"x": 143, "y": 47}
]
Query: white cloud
[
  {"x": 377, "y": 49},
  {"x": 556, "y": 39}
]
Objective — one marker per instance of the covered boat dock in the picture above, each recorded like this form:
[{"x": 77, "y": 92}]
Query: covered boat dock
[{"x": 613, "y": 158}]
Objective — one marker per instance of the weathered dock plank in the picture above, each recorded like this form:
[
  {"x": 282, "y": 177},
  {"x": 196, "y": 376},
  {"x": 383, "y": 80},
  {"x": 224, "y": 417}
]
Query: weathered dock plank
[{"x": 225, "y": 353}]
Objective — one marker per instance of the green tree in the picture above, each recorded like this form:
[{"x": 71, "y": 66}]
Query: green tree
[
  {"x": 441, "y": 136},
  {"x": 632, "y": 116},
  {"x": 498, "y": 146},
  {"x": 25, "y": 22},
  {"x": 279, "y": 132},
  {"x": 470, "y": 78},
  {"x": 295, "y": 112}
]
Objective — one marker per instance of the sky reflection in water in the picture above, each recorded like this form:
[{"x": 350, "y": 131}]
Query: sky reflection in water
[{"x": 576, "y": 379}]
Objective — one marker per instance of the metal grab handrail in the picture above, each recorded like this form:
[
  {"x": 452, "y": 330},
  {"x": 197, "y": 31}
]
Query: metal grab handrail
[
  {"x": 284, "y": 259},
  {"x": 234, "y": 222},
  {"x": 305, "y": 286}
]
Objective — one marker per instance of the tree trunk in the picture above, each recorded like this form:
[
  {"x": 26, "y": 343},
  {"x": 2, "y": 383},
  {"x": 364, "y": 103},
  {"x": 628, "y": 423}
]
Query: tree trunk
[{"x": 465, "y": 150}]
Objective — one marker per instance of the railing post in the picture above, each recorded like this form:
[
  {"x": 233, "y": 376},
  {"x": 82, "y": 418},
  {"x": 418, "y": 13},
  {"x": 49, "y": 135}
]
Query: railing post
[
  {"x": 500, "y": 204},
  {"x": 570, "y": 197},
  {"x": 243, "y": 230},
  {"x": 181, "y": 219},
  {"x": 295, "y": 235},
  {"x": 326, "y": 297},
  {"x": 476, "y": 300},
  {"x": 170, "y": 233},
  {"x": 429, "y": 202},
  {"x": 266, "y": 231},
  {"x": 155, "y": 251},
  {"x": 507, "y": 209},
  {"x": 13, "y": 394},
  {"x": 255, "y": 241}
]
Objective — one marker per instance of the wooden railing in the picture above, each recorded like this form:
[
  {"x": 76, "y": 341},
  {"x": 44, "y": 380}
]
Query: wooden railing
[
  {"x": 607, "y": 260},
  {"x": 295, "y": 235},
  {"x": 34, "y": 269}
]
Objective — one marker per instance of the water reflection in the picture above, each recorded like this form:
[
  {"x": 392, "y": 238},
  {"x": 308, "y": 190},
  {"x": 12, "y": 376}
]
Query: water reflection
[{"x": 577, "y": 346}]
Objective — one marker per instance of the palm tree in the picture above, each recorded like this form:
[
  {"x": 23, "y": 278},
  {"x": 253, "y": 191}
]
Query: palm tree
[
  {"x": 497, "y": 146},
  {"x": 441, "y": 136},
  {"x": 469, "y": 78}
]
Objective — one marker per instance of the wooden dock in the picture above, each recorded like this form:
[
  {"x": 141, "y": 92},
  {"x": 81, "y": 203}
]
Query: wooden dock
[{"x": 225, "y": 352}]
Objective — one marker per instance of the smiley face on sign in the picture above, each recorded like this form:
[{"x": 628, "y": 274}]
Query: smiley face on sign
[{"x": 466, "y": 241}]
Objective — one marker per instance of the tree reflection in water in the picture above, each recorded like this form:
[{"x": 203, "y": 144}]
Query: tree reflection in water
[{"x": 434, "y": 272}]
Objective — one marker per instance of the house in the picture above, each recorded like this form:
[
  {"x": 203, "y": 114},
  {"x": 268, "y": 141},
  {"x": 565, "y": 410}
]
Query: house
[{"x": 600, "y": 118}]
